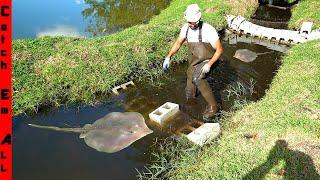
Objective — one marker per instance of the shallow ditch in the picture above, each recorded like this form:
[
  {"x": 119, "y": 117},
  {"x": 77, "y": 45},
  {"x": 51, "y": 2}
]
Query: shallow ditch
[{"x": 43, "y": 154}]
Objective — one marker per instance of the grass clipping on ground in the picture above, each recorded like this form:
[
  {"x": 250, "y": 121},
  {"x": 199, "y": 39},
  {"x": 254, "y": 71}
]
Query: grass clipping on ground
[
  {"x": 58, "y": 70},
  {"x": 277, "y": 137}
]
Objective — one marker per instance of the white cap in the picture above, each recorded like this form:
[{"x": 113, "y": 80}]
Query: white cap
[{"x": 192, "y": 13}]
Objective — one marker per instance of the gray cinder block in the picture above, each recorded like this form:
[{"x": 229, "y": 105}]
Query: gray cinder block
[{"x": 164, "y": 112}]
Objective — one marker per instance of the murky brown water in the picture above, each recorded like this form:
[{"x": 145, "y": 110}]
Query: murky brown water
[
  {"x": 43, "y": 154},
  {"x": 272, "y": 17}
]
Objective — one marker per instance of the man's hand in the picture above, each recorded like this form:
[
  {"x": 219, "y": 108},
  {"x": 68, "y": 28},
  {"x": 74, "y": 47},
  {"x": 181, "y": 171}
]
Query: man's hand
[
  {"x": 173, "y": 50},
  {"x": 206, "y": 68},
  {"x": 166, "y": 63}
]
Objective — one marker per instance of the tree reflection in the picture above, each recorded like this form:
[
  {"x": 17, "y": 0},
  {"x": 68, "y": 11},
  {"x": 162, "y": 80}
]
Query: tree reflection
[{"x": 108, "y": 16}]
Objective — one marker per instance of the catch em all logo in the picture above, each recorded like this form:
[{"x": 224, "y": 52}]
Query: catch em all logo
[{"x": 5, "y": 90}]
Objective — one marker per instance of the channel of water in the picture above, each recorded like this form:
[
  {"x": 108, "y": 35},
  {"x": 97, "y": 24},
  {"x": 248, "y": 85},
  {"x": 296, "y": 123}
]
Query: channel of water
[{"x": 43, "y": 154}]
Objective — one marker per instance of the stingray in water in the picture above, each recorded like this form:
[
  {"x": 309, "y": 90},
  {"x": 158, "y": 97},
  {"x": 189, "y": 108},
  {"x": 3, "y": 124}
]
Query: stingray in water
[
  {"x": 247, "y": 55},
  {"x": 111, "y": 133}
]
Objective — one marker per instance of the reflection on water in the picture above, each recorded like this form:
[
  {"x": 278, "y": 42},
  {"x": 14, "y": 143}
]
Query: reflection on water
[
  {"x": 80, "y": 18},
  {"x": 271, "y": 17},
  {"x": 109, "y": 16},
  {"x": 272, "y": 14},
  {"x": 234, "y": 39}
]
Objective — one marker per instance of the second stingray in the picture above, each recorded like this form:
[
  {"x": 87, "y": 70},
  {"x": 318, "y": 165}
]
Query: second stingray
[{"x": 247, "y": 55}]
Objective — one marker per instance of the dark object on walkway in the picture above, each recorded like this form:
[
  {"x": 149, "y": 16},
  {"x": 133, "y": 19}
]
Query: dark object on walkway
[
  {"x": 247, "y": 55},
  {"x": 111, "y": 133}
]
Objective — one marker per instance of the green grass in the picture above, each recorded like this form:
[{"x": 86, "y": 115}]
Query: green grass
[
  {"x": 289, "y": 113},
  {"x": 275, "y": 138},
  {"x": 305, "y": 10},
  {"x": 51, "y": 71}
]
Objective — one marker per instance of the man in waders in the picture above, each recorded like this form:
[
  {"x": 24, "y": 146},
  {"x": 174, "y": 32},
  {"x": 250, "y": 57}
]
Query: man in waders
[{"x": 205, "y": 49}]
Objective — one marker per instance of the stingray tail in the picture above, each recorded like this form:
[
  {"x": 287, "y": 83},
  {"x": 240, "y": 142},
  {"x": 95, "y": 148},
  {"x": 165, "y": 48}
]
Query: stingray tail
[{"x": 54, "y": 128}]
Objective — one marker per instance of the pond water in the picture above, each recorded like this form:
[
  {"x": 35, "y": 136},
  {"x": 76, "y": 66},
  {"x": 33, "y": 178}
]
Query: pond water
[
  {"x": 43, "y": 154},
  {"x": 80, "y": 18}
]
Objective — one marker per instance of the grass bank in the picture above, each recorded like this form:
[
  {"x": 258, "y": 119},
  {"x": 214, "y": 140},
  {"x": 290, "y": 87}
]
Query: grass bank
[
  {"x": 305, "y": 10},
  {"x": 275, "y": 138},
  {"x": 51, "y": 71}
]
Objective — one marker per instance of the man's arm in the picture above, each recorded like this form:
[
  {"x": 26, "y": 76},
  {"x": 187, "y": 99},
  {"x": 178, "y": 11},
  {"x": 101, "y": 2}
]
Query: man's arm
[
  {"x": 176, "y": 46},
  {"x": 219, "y": 51}
]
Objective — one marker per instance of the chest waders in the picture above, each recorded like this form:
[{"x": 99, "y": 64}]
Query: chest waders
[{"x": 199, "y": 54}]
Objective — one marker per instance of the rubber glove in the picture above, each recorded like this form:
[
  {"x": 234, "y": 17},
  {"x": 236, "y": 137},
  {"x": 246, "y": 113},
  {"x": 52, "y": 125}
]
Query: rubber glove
[
  {"x": 166, "y": 63},
  {"x": 206, "y": 68}
]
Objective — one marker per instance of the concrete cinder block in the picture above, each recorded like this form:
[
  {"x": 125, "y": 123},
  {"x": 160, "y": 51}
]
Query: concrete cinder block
[
  {"x": 256, "y": 40},
  {"x": 123, "y": 86},
  {"x": 295, "y": 37},
  {"x": 232, "y": 39},
  {"x": 286, "y": 35},
  {"x": 205, "y": 133},
  {"x": 189, "y": 127},
  {"x": 245, "y": 39},
  {"x": 245, "y": 27},
  {"x": 230, "y": 19},
  {"x": 236, "y": 22},
  {"x": 253, "y": 29},
  {"x": 268, "y": 33},
  {"x": 314, "y": 35},
  {"x": 240, "y": 25},
  {"x": 261, "y": 32},
  {"x": 277, "y": 34},
  {"x": 265, "y": 43},
  {"x": 306, "y": 27},
  {"x": 164, "y": 112},
  {"x": 115, "y": 90}
]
